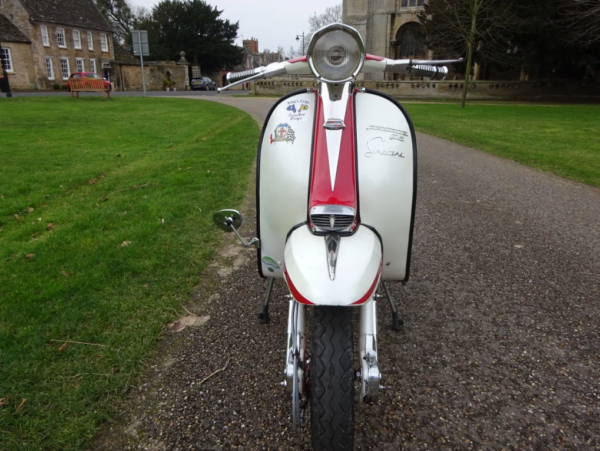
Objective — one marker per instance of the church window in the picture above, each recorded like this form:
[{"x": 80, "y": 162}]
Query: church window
[
  {"x": 408, "y": 42},
  {"x": 412, "y": 3}
]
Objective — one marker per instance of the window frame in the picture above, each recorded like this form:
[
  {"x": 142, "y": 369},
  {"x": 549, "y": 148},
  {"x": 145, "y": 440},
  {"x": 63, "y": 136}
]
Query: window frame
[
  {"x": 103, "y": 43},
  {"x": 50, "y": 72},
  {"x": 62, "y": 69},
  {"x": 8, "y": 60},
  {"x": 64, "y": 38},
  {"x": 416, "y": 3},
  {"x": 45, "y": 35},
  {"x": 76, "y": 44},
  {"x": 90, "y": 37},
  {"x": 77, "y": 61},
  {"x": 93, "y": 66}
]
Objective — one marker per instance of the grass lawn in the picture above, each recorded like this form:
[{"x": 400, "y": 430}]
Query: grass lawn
[
  {"x": 562, "y": 139},
  {"x": 105, "y": 226}
]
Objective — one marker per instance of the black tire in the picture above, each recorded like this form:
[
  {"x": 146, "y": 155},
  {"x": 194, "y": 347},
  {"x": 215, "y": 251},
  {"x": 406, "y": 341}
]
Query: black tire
[{"x": 332, "y": 379}]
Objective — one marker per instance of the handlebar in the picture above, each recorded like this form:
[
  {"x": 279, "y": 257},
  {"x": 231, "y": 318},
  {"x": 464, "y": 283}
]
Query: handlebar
[
  {"x": 299, "y": 66},
  {"x": 234, "y": 76},
  {"x": 423, "y": 70}
]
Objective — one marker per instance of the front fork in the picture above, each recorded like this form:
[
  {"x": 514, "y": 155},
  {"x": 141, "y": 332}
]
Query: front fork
[
  {"x": 369, "y": 374},
  {"x": 298, "y": 327}
]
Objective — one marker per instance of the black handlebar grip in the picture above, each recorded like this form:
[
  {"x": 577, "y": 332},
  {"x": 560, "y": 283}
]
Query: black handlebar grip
[
  {"x": 235, "y": 76},
  {"x": 433, "y": 72}
]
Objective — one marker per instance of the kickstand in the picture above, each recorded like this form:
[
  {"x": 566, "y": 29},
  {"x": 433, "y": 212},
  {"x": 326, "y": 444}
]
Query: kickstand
[
  {"x": 397, "y": 322},
  {"x": 263, "y": 314}
]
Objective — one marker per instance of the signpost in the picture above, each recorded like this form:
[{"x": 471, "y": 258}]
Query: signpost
[{"x": 141, "y": 49}]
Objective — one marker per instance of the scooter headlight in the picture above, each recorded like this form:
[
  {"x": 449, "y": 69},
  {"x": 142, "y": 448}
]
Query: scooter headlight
[{"x": 336, "y": 53}]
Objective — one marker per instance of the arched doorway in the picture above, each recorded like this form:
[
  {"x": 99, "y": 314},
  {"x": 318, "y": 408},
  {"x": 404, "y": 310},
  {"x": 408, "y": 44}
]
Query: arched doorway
[{"x": 408, "y": 41}]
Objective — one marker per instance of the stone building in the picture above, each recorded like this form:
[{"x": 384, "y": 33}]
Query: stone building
[
  {"x": 254, "y": 58},
  {"x": 44, "y": 41},
  {"x": 388, "y": 28}
]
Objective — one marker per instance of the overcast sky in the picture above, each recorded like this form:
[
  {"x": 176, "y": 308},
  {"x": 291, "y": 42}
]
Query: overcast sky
[{"x": 273, "y": 22}]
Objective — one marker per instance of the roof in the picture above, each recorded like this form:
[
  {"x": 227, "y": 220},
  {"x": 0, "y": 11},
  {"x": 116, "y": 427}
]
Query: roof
[
  {"x": 122, "y": 55},
  {"x": 9, "y": 32},
  {"x": 77, "y": 13}
]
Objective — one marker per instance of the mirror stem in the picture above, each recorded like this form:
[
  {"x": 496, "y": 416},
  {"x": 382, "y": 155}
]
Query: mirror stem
[{"x": 253, "y": 242}]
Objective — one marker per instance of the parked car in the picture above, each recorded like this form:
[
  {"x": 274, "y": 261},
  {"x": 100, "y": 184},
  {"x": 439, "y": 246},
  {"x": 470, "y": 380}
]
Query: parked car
[
  {"x": 107, "y": 84},
  {"x": 203, "y": 83}
]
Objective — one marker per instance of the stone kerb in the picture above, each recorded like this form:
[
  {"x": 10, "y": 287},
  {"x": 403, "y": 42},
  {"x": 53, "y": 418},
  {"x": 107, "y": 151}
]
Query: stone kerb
[{"x": 449, "y": 90}]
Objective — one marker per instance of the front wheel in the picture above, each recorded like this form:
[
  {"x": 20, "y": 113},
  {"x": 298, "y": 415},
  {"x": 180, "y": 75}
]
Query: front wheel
[{"x": 332, "y": 379}]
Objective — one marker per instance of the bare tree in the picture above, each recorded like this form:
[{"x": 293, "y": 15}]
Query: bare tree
[
  {"x": 120, "y": 13},
  {"x": 332, "y": 14},
  {"x": 460, "y": 27},
  {"x": 292, "y": 53},
  {"x": 581, "y": 21}
]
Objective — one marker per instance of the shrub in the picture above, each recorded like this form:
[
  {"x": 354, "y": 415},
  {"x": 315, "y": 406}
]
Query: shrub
[{"x": 56, "y": 86}]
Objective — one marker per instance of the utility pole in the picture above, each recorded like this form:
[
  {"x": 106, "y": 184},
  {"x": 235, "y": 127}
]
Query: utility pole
[{"x": 4, "y": 73}]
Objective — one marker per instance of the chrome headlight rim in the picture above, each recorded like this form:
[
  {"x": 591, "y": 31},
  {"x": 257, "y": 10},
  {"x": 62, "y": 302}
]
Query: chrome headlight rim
[{"x": 327, "y": 29}]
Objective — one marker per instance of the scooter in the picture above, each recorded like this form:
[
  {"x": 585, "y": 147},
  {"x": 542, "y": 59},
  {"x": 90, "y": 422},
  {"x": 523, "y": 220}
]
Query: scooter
[{"x": 336, "y": 191}]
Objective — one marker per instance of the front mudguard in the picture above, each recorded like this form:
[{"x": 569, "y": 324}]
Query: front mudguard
[{"x": 357, "y": 273}]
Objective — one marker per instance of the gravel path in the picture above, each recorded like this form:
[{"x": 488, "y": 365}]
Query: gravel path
[{"x": 501, "y": 342}]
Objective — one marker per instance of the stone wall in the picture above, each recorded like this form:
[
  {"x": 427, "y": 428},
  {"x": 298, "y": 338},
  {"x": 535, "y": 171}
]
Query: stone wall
[
  {"x": 21, "y": 78},
  {"x": 555, "y": 90},
  {"x": 128, "y": 77}
]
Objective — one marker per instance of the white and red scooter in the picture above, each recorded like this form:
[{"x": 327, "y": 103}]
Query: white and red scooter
[{"x": 336, "y": 190}]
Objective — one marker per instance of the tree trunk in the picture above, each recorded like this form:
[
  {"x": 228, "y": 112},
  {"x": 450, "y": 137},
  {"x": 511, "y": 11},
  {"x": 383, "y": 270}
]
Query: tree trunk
[
  {"x": 474, "y": 12},
  {"x": 463, "y": 97}
]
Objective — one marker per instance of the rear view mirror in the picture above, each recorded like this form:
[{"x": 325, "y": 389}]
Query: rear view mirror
[
  {"x": 225, "y": 219},
  {"x": 230, "y": 221}
]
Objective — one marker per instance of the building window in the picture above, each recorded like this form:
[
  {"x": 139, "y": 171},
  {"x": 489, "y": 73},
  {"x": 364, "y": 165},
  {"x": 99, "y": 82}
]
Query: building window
[
  {"x": 93, "y": 66},
  {"x": 104, "y": 43},
  {"x": 64, "y": 68},
  {"x": 7, "y": 60},
  {"x": 49, "y": 68},
  {"x": 412, "y": 3},
  {"x": 45, "y": 36},
  {"x": 80, "y": 65},
  {"x": 90, "y": 41},
  {"x": 60, "y": 38},
  {"x": 77, "y": 39},
  {"x": 408, "y": 42}
]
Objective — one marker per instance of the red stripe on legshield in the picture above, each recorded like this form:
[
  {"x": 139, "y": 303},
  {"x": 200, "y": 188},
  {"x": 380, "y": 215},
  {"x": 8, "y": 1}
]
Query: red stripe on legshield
[{"x": 344, "y": 192}]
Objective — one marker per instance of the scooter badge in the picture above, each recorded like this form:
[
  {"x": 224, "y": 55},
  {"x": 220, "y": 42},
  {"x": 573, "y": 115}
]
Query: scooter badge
[{"x": 283, "y": 133}]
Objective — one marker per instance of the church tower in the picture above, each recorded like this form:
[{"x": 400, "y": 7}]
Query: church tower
[{"x": 387, "y": 27}]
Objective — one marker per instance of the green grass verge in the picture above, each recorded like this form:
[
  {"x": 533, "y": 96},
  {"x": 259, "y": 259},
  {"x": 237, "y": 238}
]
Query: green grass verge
[
  {"x": 559, "y": 139},
  {"x": 105, "y": 226}
]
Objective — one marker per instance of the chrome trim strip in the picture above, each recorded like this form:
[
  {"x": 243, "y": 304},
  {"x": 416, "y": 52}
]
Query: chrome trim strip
[
  {"x": 332, "y": 210},
  {"x": 332, "y": 245}
]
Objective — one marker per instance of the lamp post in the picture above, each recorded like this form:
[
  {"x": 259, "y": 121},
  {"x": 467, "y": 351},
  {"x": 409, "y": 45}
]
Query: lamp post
[
  {"x": 298, "y": 38},
  {"x": 4, "y": 73}
]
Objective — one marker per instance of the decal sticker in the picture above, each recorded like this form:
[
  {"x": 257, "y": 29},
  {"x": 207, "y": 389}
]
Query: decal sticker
[
  {"x": 378, "y": 148},
  {"x": 400, "y": 133},
  {"x": 271, "y": 264},
  {"x": 298, "y": 109},
  {"x": 283, "y": 133}
]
